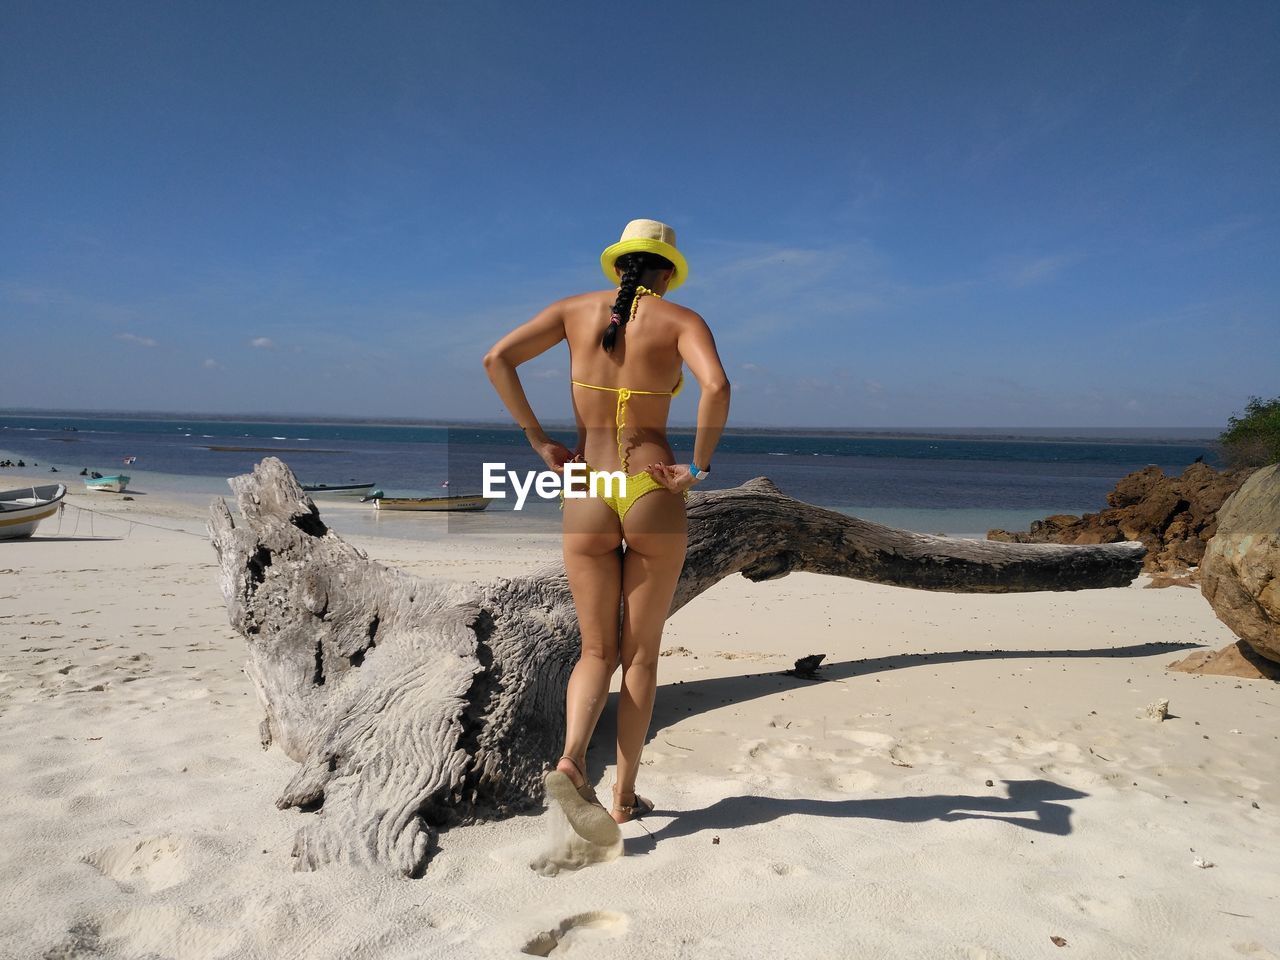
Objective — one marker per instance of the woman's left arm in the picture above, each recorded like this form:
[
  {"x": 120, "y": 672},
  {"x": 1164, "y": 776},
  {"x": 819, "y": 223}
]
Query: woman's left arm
[{"x": 522, "y": 344}]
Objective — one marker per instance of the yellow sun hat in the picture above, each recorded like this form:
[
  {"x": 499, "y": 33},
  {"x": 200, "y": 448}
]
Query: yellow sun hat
[{"x": 649, "y": 236}]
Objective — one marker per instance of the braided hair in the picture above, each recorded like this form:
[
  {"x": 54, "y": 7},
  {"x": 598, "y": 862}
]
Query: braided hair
[{"x": 634, "y": 266}]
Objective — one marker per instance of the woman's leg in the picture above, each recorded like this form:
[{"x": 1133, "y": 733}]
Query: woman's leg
[
  {"x": 657, "y": 535},
  {"x": 593, "y": 563}
]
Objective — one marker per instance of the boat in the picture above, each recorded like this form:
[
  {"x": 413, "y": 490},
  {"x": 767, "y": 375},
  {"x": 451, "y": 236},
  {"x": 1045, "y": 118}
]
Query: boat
[
  {"x": 458, "y": 503},
  {"x": 22, "y": 510},
  {"x": 112, "y": 484},
  {"x": 351, "y": 487}
]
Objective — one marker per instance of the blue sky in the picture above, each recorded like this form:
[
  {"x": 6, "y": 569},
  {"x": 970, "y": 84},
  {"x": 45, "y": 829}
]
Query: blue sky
[{"x": 896, "y": 214}]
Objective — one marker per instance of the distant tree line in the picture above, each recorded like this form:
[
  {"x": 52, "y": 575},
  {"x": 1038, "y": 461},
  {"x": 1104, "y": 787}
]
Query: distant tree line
[{"x": 1253, "y": 438}]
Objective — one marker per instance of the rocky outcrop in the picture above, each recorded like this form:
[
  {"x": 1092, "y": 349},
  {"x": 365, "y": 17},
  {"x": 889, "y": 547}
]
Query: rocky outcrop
[
  {"x": 1240, "y": 576},
  {"x": 1234, "y": 660},
  {"x": 1174, "y": 517}
]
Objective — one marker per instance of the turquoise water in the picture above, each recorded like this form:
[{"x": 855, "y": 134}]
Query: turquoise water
[{"x": 961, "y": 485}]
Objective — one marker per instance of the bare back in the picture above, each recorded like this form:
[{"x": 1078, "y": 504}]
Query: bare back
[{"x": 646, "y": 358}]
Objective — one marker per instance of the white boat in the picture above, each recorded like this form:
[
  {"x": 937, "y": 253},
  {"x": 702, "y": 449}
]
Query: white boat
[
  {"x": 22, "y": 510},
  {"x": 114, "y": 484},
  {"x": 461, "y": 502}
]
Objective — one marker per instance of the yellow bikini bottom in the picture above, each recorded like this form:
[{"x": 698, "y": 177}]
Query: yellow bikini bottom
[{"x": 637, "y": 485}]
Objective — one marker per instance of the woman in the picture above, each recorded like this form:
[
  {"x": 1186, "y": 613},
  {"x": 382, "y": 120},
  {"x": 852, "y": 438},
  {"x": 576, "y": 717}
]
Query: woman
[{"x": 627, "y": 348}]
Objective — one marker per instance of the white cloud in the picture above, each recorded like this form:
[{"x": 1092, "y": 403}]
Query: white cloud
[
  {"x": 262, "y": 343},
  {"x": 134, "y": 338},
  {"x": 211, "y": 364},
  {"x": 1029, "y": 272}
]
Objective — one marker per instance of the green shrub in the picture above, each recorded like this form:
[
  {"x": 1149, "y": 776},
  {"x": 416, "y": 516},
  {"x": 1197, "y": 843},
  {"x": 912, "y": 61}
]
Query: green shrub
[{"x": 1253, "y": 439}]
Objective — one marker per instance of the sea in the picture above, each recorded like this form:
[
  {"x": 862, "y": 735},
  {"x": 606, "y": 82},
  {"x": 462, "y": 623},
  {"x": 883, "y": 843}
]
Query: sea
[{"x": 955, "y": 482}]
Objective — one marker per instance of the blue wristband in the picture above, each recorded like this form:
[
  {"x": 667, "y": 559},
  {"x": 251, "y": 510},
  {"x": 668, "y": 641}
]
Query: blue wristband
[{"x": 696, "y": 473}]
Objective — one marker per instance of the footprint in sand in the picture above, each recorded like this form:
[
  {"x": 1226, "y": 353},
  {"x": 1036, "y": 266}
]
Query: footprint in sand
[
  {"x": 581, "y": 930},
  {"x": 155, "y": 863},
  {"x": 859, "y": 782},
  {"x": 81, "y": 941},
  {"x": 563, "y": 849},
  {"x": 153, "y": 930},
  {"x": 780, "y": 868}
]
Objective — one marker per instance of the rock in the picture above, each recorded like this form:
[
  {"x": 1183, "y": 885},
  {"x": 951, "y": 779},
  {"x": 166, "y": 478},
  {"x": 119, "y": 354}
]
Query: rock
[
  {"x": 1240, "y": 575},
  {"x": 1174, "y": 517},
  {"x": 1158, "y": 710},
  {"x": 808, "y": 667},
  {"x": 1236, "y": 660},
  {"x": 1136, "y": 487},
  {"x": 1160, "y": 580}
]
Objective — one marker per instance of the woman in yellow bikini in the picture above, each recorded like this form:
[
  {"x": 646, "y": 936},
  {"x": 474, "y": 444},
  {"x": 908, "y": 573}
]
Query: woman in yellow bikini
[{"x": 627, "y": 350}]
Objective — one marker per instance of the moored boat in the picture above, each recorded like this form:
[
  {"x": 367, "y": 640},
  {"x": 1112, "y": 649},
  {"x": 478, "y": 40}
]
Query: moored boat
[
  {"x": 22, "y": 510},
  {"x": 458, "y": 503},
  {"x": 112, "y": 484},
  {"x": 352, "y": 487}
]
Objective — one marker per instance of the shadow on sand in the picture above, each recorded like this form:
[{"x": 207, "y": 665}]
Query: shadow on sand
[
  {"x": 676, "y": 701},
  {"x": 1039, "y": 802}
]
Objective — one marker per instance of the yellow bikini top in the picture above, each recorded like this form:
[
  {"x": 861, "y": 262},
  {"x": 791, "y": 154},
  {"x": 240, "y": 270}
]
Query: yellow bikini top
[{"x": 625, "y": 393}]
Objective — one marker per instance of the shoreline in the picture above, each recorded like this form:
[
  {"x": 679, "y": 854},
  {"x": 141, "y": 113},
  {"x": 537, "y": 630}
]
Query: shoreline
[{"x": 350, "y": 516}]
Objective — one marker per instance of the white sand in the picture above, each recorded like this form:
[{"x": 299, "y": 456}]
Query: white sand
[{"x": 795, "y": 819}]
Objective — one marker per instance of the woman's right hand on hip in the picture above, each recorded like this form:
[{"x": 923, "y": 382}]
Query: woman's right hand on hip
[{"x": 675, "y": 477}]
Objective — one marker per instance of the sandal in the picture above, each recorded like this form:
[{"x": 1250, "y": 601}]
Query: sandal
[
  {"x": 584, "y": 791},
  {"x": 638, "y": 807},
  {"x": 582, "y": 808}
]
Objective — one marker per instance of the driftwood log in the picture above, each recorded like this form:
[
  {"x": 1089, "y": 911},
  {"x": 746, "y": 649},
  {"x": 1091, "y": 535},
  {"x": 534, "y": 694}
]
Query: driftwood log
[{"x": 412, "y": 706}]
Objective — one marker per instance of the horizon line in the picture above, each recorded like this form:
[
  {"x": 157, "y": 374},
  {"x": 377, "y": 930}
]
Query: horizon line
[{"x": 1211, "y": 432}]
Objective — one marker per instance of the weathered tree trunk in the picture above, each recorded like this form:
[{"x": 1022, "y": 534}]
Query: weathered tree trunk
[{"x": 413, "y": 705}]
